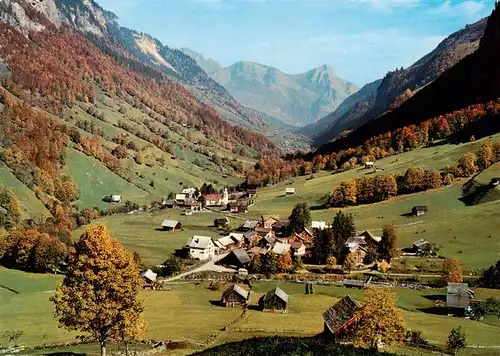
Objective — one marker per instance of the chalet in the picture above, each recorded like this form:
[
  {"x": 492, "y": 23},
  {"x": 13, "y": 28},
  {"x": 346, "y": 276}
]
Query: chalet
[
  {"x": 355, "y": 241},
  {"x": 249, "y": 225},
  {"x": 222, "y": 222},
  {"x": 370, "y": 239},
  {"x": 369, "y": 164},
  {"x": 421, "y": 246},
  {"x": 149, "y": 276},
  {"x": 251, "y": 193},
  {"x": 189, "y": 192},
  {"x": 318, "y": 225},
  {"x": 419, "y": 210},
  {"x": 234, "y": 295},
  {"x": 200, "y": 247},
  {"x": 458, "y": 295},
  {"x": 224, "y": 243},
  {"x": 340, "y": 317},
  {"x": 299, "y": 249},
  {"x": 269, "y": 220},
  {"x": 237, "y": 258},
  {"x": 281, "y": 248},
  {"x": 171, "y": 225},
  {"x": 359, "y": 251},
  {"x": 289, "y": 191},
  {"x": 233, "y": 207},
  {"x": 281, "y": 228},
  {"x": 275, "y": 300},
  {"x": 180, "y": 198}
]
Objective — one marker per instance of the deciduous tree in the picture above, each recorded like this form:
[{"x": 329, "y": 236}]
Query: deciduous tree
[
  {"x": 99, "y": 294},
  {"x": 379, "y": 320},
  {"x": 467, "y": 164},
  {"x": 456, "y": 340},
  {"x": 388, "y": 246},
  {"x": 285, "y": 263},
  {"x": 349, "y": 262},
  {"x": 453, "y": 270}
]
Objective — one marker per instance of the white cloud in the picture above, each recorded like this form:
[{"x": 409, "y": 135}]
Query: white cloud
[{"x": 389, "y": 6}]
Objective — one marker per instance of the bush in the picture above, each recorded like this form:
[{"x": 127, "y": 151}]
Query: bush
[{"x": 215, "y": 286}]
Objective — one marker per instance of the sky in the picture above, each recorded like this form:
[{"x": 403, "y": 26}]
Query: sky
[{"x": 361, "y": 39}]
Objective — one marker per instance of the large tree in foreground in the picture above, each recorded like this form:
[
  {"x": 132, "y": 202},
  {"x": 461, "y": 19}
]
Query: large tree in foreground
[
  {"x": 388, "y": 246},
  {"x": 343, "y": 228},
  {"x": 379, "y": 320},
  {"x": 300, "y": 218},
  {"x": 99, "y": 294}
]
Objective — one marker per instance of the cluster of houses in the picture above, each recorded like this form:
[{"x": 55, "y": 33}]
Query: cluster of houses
[{"x": 189, "y": 199}]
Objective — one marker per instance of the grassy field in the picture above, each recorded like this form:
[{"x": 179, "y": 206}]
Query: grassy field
[{"x": 185, "y": 313}]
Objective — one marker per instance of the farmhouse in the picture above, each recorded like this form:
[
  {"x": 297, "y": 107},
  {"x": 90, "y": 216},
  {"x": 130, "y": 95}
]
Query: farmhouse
[
  {"x": 340, "y": 317},
  {"x": 233, "y": 207},
  {"x": 251, "y": 193},
  {"x": 419, "y": 210},
  {"x": 238, "y": 238},
  {"x": 222, "y": 222},
  {"x": 237, "y": 258},
  {"x": 421, "y": 247},
  {"x": 281, "y": 248},
  {"x": 369, "y": 164},
  {"x": 358, "y": 250},
  {"x": 458, "y": 295},
  {"x": 274, "y": 300},
  {"x": 200, "y": 247},
  {"x": 281, "y": 228},
  {"x": 234, "y": 295},
  {"x": 370, "y": 239},
  {"x": 262, "y": 231},
  {"x": 224, "y": 243},
  {"x": 289, "y": 191},
  {"x": 217, "y": 199},
  {"x": 193, "y": 206},
  {"x": 171, "y": 225},
  {"x": 189, "y": 192},
  {"x": 149, "y": 276},
  {"x": 269, "y": 220}
]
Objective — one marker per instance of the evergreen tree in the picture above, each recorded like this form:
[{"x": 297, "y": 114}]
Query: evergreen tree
[
  {"x": 300, "y": 217},
  {"x": 343, "y": 228},
  {"x": 388, "y": 246}
]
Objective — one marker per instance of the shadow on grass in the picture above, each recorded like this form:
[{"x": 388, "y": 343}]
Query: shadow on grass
[
  {"x": 318, "y": 207},
  {"x": 407, "y": 215},
  {"x": 436, "y": 297},
  {"x": 434, "y": 310}
]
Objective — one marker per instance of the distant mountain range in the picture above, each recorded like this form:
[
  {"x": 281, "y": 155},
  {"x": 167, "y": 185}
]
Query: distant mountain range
[
  {"x": 294, "y": 99},
  {"x": 376, "y": 98}
]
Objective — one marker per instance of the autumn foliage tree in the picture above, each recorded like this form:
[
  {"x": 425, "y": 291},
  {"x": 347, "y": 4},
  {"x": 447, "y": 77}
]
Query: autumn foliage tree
[
  {"x": 467, "y": 164},
  {"x": 285, "y": 263},
  {"x": 379, "y": 320},
  {"x": 388, "y": 246},
  {"x": 99, "y": 293},
  {"x": 349, "y": 262},
  {"x": 452, "y": 269}
]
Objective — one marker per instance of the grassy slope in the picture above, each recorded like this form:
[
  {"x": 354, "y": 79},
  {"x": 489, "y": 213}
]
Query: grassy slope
[
  {"x": 185, "y": 312},
  {"x": 30, "y": 205}
]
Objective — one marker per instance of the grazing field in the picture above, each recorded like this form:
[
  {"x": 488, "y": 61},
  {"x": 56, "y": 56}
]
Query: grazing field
[{"x": 185, "y": 312}]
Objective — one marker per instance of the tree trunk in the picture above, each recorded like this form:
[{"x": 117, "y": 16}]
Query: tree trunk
[{"x": 103, "y": 348}]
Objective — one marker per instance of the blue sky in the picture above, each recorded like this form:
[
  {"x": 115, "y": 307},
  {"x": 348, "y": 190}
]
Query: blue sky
[{"x": 360, "y": 39}]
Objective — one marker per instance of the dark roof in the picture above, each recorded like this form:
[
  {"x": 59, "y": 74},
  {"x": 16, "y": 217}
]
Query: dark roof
[
  {"x": 277, "y": 292},
  {"x": 242, "y": 292},
  {"x": 242, "y": 256},
  {"x": 222, "y": 220},
  {"x": 340, "y": 313},
  {"x": 420, "y": 207},
  {"x": 281, "y": 224}
]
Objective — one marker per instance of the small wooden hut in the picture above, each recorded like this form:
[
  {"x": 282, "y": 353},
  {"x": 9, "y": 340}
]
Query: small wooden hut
[
  {"x": 234, "y": 295},
  {"x": 274, "y": 300}
]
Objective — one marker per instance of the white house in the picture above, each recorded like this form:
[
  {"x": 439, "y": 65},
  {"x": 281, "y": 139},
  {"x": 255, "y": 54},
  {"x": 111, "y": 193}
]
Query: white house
[
  {"x": 200, "y": 247},
  {"x": 149, "y": 276},
  {"x": 289, "y": 191},
  {"x": 369, "y": 164},
  {"x": 281, "y": 248},
  {"x": 188, "y": 191},
  {"x": 299, "y": 249},
  {"x": 180, "y": 197},
  {"x": 320, "y": 225},
  {"x": 116, "y": 198},
  {"x": 217, "y": 199}
]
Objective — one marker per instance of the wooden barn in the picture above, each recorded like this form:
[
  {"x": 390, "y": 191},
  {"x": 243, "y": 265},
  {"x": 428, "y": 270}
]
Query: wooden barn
[
  {"x": 171, "y": 225},
  {"x": 419, "y": 210},
  {"x": 339, "y": 318},
  {"x": 237, "y": 258},
  {"x": 222, "y": 222},
  {"x": 234, "y": 295},
  {"x": 275, "y": 300}
]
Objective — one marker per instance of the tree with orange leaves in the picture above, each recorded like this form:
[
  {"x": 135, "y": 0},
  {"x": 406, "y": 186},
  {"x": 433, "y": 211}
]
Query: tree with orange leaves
[
  {"x": 99, "y": 294},
  {"x": 453, "y": 270}
]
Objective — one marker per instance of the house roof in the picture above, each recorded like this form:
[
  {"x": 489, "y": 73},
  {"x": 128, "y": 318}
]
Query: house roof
[
  {"x": 306, "y": 230},
  {"x": 213, "y": 197},
  {"x": 277, "y": 292},
  {"x": 242, "y": 292},
  {"x": 258, "y": 250},
  {"x": 250, "y": 224},
  {"x": 269, "y": 239},
  {"x": 340, "y": 313},
  {"x": 297, "y": 245},
  {"x": 222, "y": 220},
  {"x": 219, "y": 244},
  {"x": 458, "y": 288},
  {"x": 281, "y": 224},
  {"x": 367, "y": 233},
  {"x": 226, "y": 241},
  {"x": 421, "y": 243},
  {"x": 359, "y": 240},
  {"x": 180, "y": 196},
  {"x": 263, "y": 230},
  {"x": 290, "y": 189},
  {"x": 242, "y": 256},
  {"x": 188, "y": 190},
  {"x": 353, "y": 247},
  {"x": 169, "y": 223},
  {"x": 249, "y": 234},
  {"x": 236, "y": 237},
  {"x": 201, "y": 242},
  {"x": 149, "y": 275},
  {"x": 420, "y": 207},
  {"x": 281, "y": 248}
]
